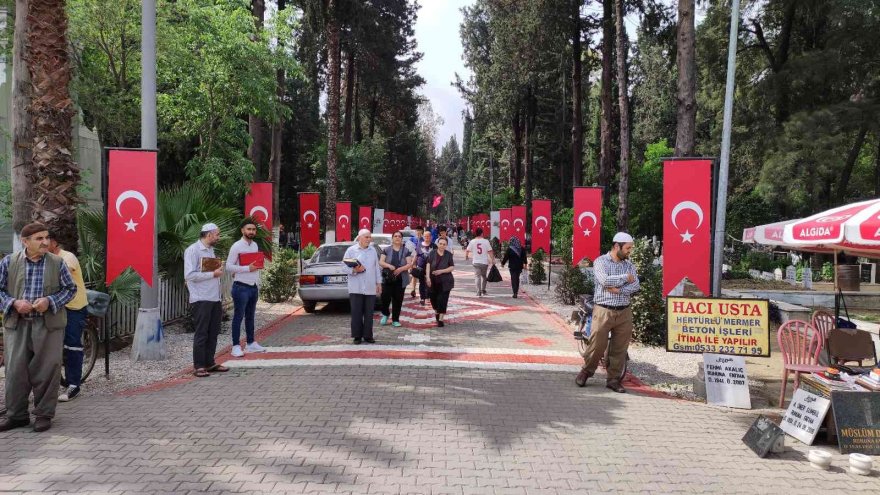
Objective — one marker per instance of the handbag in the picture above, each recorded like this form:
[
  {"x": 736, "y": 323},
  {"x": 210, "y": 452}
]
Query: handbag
[
  {"x": 388, "y": 276},
  {"x": 494, "y": 275},
  {"x": 417, "y": 272}
]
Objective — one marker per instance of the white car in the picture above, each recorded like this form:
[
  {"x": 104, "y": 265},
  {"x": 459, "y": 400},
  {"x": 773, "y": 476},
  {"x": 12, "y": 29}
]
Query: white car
[{"x": 324, "y": 277}]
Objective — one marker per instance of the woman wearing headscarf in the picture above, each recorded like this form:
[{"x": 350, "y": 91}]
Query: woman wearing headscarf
[
  {"x": 438, "y": 275},
  {"x": 397, "y": 259},
  {"x": 516, "y": 256},
  {"x": 364, "y": 284}
]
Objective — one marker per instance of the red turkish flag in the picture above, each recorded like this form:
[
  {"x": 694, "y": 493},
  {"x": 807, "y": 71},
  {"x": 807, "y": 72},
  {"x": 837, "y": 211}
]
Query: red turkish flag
[
  {"x": 309, "y": 221},
  {"x": 365, "y": 218},
  {"x": 518, "y": 222},
  {"x": 258, "y": 204},
  {"x": 131, "y": 210},
  {"x": 687, "y": 222},
  {"x": 587, "y": 218},
  {"x": 541, "y": 218},
  {"x": 343, "y": 221},
  {"x": 504, "y": 224}
]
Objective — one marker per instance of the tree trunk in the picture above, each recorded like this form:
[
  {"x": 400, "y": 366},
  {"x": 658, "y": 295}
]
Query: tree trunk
[
  {"x": 687, "y": 81},
  {"x": 374, "y": 108},
  {"x": 255, "y": 124},
  {"x": 877, "y": 169},
  {"x": 22, "y": 134},
  {"x": 622, "y": 86},
  {"x": 516, "y": 164},
  {"x": 277, "y": 131},
  {"x": 577, "y": 118},
  {"x": 333, "y": 63},
  {"x": 56, "y": 175},
  {"x": 851, "y": 159},
  {"x": 530, "y": 119},
  {"x": 358, "y": 130},
  {"x": 349, "y": 97},
  {"x": 606, "y": 163}
]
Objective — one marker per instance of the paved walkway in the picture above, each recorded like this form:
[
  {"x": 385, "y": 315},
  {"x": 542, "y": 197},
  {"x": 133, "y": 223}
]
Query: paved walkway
[{"x": 458, "y": 412}]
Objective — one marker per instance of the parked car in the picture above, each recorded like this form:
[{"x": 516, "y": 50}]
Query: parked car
[{"x": 324, "y": 277}]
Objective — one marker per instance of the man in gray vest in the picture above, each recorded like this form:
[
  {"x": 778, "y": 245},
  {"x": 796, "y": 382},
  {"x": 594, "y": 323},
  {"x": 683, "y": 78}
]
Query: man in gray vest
[{"x": 34, "y": 287}]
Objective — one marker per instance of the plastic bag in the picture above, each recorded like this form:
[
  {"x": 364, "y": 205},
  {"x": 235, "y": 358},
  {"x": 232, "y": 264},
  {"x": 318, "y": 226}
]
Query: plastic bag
[{"x": 494, "y": 275}]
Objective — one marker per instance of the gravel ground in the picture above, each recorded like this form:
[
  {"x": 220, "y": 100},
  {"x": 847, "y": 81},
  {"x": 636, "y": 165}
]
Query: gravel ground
[
  {"x": 669, "y": 372},
  {"x": 125, "y": 374}
]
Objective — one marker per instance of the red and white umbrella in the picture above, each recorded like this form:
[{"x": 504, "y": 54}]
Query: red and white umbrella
[
  {"x": 854, "y": 228},
  {"x": 768, "y": 235}
]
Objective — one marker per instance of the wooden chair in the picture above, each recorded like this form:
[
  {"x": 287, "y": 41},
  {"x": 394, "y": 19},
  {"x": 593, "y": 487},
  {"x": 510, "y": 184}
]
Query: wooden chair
[{"x": 800, "y": 344}]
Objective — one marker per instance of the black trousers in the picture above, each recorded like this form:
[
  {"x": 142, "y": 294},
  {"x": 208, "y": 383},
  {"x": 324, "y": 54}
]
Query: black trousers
[
  {"x": 514, "y": 280},
  {"x": 206, "y": 317},
  {"x": 392, "y": 295},
  {"x": 362, "y": 315},
  {"x": 424, "y": 290},
  {"x": 440, "y": 300}
]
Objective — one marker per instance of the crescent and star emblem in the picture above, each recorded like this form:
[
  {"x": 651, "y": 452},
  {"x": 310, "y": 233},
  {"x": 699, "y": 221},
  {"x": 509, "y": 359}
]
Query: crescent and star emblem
[
  {"x": 346, "y": 219},
  {"x": 260, "y": 209},
  {"x": 365, "y": 221},
  {"x": 502, "y": 223},
  {"x": 541, "y": 229},
  {"x": 306, "y": 217},
  {"x": 131, "y": 194},
  {"x": 520, "y": 220},
  {"x": 587, "y": 214},
  {"x": 680, "y": 207}
]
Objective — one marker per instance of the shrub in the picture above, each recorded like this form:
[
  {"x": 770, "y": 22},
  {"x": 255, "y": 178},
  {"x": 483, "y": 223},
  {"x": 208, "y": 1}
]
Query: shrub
[
  {"x": 736, "y": 275},
  {"x": 572, "y": 280},
  {"x": 649, "y": 308},
  {"x": 308, "y": 251},
  {"x": 537, "y": 274},
  {"x": 279, "y": 276},
  {"x": 496, "y": 247},
  {"x": 827, "y": 274}
]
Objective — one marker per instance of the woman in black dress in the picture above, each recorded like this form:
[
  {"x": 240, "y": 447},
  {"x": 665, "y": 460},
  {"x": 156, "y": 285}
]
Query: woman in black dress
[
  {"x": 438, "y": 274},
  {"x": 516, "y": 256}
]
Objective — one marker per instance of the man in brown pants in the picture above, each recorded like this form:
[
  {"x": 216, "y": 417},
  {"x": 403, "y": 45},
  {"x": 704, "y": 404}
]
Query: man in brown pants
[
  {"x": 616, "y": 281},
  {"x": 34, "y": 287}
]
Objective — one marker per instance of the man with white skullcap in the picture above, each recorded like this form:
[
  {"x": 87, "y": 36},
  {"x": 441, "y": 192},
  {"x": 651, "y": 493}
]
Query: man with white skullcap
[
  {"x": 615, "y": 282},
  {"x": 204, "y": 298}
]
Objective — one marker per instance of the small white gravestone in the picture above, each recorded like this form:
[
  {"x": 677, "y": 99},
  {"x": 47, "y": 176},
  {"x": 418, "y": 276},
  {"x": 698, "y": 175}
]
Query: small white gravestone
[
  {"x": 807, "y": 277},
  {"x": 804, "y": 415},
  {"x": 791, "y": 274},
  {"x": 726, "y": 381},
  {"x": 777, "y": 274},
  {"x": 754, "y": 273},
  {"x": 767, "y": 276}
]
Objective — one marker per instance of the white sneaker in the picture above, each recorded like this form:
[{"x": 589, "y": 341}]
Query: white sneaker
[
  {"x": 255, "y": 347},
  {"x": 68, "y": 394},
  {"x": 236, "y": 351}
]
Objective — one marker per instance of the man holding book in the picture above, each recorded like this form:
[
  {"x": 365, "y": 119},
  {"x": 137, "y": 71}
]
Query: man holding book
[
  {"x": 202, "y": 272},
  {"x": 245, "y": 262}
]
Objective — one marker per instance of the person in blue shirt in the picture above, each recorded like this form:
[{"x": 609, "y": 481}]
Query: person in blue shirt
[
  {"x": 364, "y": 284},
  {"x": 435, "y": 233},
  {"x": 414, "y": 241}
]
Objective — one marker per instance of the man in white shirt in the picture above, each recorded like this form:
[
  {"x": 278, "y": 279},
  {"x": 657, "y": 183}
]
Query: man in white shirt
[
  {"x": 245, "y": 288},
  {"x": 481, "y": 251},
  {"x": 204, "y": 298}
]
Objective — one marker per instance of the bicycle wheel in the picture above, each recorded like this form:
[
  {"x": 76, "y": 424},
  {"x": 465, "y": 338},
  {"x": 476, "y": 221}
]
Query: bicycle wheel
[{"x": 90, "y": 348}]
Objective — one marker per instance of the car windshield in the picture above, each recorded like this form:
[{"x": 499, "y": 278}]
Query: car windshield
[
  {"x": 329, "y": 254},
  {"x": 382, "y": 241}
]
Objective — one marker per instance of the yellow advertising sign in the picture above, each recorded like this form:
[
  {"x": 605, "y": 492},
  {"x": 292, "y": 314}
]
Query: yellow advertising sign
[{"x": 740, "y": 327}]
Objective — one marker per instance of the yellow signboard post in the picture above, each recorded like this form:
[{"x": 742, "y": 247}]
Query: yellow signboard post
[{"x": 739, "y": 327}]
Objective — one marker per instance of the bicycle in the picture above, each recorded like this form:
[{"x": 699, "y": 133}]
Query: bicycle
[{"x": 583, "y": 334}]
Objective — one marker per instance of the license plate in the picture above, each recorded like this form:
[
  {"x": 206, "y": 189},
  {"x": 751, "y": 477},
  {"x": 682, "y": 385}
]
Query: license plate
[{"x": 336, "y": 279}]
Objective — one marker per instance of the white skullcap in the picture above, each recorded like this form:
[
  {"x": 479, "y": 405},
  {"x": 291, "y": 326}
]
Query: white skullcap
[
  {"x": 208, "y": 227},
  {"x": 622, "y": 237},
  {"x": 364, "y": 232}
]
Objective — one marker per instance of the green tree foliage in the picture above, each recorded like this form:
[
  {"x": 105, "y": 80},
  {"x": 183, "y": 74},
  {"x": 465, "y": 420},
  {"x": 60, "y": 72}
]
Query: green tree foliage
[
  {"x": 648, "y": 304},
  {"x": 537, "y": 273},
  {"x": 279, "y": 277}
]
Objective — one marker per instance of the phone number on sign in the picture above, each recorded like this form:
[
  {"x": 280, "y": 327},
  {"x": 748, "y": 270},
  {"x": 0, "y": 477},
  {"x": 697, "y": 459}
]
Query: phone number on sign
[{"x": 719, "y": 349}]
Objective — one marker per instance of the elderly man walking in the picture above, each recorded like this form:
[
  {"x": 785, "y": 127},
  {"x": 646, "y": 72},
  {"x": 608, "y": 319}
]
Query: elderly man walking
[
  {"x": 202, "y": 272},
  {"x": 616, "y": 282},
  {"x": 34, "y": 287}
]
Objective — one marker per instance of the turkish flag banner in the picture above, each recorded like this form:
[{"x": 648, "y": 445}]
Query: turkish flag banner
[
  {"x": 541, "y": 218},
  {"x": 504, "y": 214},
  {"x": 587, "y": 218},
  {"x": 309, "y": 224},
  {"x": 687, "y": 223},
  {"x": 343, "y": 221},
  {"x": 518, "y": 222},
  {"x": 258, "y": 204},
  {"x": 365, "y": 218},
  {"x": 131, "y": 210}
]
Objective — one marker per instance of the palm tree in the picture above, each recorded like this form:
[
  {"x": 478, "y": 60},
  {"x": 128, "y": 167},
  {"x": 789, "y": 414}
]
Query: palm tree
[{"x": 55, "y": 174}]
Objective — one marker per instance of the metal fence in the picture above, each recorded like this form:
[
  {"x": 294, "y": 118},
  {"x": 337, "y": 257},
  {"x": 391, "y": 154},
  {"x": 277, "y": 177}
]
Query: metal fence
[{"x": 173, "y": 305}]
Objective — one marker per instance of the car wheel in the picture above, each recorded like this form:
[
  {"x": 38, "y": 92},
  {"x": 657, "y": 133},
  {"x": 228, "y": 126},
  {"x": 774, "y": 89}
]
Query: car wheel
[{"x": 309, "y": 306}]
